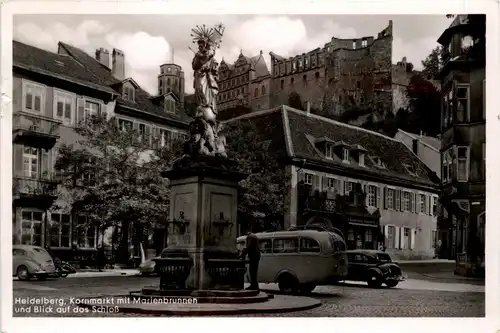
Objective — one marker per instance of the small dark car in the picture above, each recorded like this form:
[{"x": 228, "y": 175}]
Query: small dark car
[{"x": 373, "y": 266}]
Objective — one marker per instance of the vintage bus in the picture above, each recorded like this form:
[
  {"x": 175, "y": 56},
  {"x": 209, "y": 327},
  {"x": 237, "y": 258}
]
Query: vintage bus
[{"x": 300, "y": 260}]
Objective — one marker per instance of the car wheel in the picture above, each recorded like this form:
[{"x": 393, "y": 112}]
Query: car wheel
[
  {"x": 307, "y": 288},
  {"x": 23, "y": 273},
  {"x": 374, "y": 280},
  {"x": 288, "y": 283},
  {"x": 391, "y": 284}
]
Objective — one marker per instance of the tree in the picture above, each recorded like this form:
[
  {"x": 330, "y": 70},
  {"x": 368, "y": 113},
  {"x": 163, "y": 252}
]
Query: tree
[
  {"x": 432, "y": 63},
  {"x": 425, "y": 106},
  {"x": 112, "y": 176},
  {"x": 264, "y": 192}
]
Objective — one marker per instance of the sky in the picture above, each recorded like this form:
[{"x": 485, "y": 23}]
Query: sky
[{"x": 149, "y": 41}]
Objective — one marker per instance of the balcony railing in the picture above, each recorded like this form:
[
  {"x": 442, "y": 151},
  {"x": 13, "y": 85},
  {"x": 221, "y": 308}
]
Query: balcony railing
[
  {"x": 34, "y": 187},
  {"x": 321, "y": 205},
  {"x": 36, "y": 124}
]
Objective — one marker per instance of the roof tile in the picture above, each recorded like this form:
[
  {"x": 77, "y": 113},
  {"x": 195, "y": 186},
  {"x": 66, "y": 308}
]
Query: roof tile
[
  {"x": 302, "y": 127},
  {"x": 80, "y": 66}
]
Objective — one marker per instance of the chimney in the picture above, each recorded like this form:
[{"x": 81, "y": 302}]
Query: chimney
[
  {"x": 172, "y": 56},
  {"x": 102, "y": 55},
  {"x": 118, "y": 67},
  {"x": 308, "y": 107}
]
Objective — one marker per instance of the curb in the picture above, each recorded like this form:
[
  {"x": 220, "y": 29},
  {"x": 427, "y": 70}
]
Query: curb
[
  {"x": 454, "y": 278},
  {"x": 102, "y": 274}
]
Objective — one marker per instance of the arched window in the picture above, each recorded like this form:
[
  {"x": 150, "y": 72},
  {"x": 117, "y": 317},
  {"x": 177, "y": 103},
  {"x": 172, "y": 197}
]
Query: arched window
[
  {"x": 316, "y": 75},
  {"x": 292, "y": 80},
  {"x": 304, "y": 79},
  {"x": 168, "y": 81},
  {"x": 256, "y": 92},
  {"x": 263, "y": 90}
]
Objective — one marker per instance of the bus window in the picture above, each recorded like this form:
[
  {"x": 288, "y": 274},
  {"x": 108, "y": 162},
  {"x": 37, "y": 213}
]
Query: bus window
[
  {"x": 337, "y": 243},
  {"x": 309, "y": 245},
  {"x": 340, "y": 246},
  {"x": 265, "y": 246},
  {"x": 286, "y": 245}
]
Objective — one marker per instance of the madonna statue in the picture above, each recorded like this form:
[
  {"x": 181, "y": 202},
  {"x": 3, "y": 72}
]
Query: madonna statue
[{"x": 204, "y": 129}]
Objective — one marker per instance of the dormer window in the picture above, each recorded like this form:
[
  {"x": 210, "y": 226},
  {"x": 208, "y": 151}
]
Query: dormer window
[
  {"x": 361, "y": 159},
  {"x": 345, "y": 155},
  {"x": 354, "y": 45},
  {"x": 170, "y": 105},
  {"x": 128, "y": 93},
  {"x": 329, "y": 151},
  {"x": 378, "y": 162},
  {"x": 410, "y": 169},
  {"x": 364, "y": 43},
  {"x": 358, "y": 153}
]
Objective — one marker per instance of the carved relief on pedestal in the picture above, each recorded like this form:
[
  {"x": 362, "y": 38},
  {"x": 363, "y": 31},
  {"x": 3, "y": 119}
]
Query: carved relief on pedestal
[
  {"x": 220, "y": 226},
  {"x": 179, "y": 228}
]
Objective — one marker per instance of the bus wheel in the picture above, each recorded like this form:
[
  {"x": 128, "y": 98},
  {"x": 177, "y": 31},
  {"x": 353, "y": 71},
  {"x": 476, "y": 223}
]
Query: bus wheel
[
  {"x": 287, "y": 283},
  {"x": 307, "y": 288}
]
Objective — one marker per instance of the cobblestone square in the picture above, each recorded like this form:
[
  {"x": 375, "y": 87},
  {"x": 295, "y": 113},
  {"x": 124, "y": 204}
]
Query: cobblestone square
[{"x": 413, "y": 298}]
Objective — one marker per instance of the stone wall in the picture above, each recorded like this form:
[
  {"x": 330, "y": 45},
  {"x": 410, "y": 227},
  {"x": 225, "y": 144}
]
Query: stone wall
[
  {"x": 310, "y": 84},
  {"x": 259, "y": 94},
  {"x": 346, "y": 77},
  {"x": 402, "y": 73},
  {"x": 359, "y": 81}
]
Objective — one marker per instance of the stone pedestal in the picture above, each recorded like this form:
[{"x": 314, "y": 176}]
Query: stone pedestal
[{"x": 202, "y": 222}]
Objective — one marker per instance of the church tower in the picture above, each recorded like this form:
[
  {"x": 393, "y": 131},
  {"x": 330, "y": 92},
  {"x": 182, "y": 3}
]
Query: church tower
[{"x": 171, "y": 79}]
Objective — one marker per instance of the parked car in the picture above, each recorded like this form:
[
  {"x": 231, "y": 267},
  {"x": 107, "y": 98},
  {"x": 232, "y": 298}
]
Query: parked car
[
  {"x": 375, "y": 267},
  {"x": 31, "y": 261},
  {"x": 148, "y": 267}
]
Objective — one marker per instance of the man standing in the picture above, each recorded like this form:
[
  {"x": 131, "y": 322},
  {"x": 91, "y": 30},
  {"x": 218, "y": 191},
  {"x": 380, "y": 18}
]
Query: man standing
[
  {"x": 252, "y": 249},
  {"x": 437, "y": 249}
]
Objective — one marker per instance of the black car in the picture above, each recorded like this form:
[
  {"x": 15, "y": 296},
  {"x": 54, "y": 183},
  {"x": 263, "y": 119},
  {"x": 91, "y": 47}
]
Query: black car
[{"x": 373, "y": 266}]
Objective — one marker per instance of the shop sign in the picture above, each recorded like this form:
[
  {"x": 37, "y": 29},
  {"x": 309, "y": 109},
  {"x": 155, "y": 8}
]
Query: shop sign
[{"x": 361, "y": 221}]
